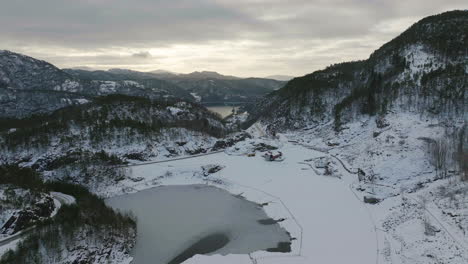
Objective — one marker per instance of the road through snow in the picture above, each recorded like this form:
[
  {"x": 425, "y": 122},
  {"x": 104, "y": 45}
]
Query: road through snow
[{"x": 11, "y": 241}]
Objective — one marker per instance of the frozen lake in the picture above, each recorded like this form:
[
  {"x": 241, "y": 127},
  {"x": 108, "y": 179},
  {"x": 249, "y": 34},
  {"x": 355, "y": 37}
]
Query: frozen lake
[{"x": 176, "y": 222}]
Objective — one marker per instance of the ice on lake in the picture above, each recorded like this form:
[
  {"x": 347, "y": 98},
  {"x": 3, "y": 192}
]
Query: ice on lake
[{"x": 178, "y": 221}]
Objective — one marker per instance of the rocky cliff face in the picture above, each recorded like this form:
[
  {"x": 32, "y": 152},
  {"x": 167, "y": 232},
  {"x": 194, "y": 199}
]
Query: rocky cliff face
[
  {"x": 423, "y": 70},
  {"x": 29, "y": 86}
]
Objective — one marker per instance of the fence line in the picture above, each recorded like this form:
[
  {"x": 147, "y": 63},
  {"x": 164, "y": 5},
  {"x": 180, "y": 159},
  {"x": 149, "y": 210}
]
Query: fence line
[{"x": 292, "y": 216}]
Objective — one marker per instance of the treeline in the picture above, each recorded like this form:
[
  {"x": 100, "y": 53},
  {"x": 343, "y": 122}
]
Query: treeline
[
  {"x": 52, "y": 238},
  {"x": 25, "y": 178},
  {"x": 92, "y": 169},
  {"x": 353, "y": 89},
  {"x": 321, "y": 81},
  {"x": 107, "y": 116},
  {"x": 440, "y": 32},
  {"x": 77, "y": 157}
]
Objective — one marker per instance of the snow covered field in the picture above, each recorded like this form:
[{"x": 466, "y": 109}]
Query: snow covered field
[
  {"x": 328, "y": 221},
  {"x": 326, "y": 214},
  {"x": 419, "y": 220},
  {"x": 422, "y": 218}
]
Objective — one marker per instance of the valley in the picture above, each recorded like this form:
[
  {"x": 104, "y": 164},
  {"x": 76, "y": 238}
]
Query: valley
[{"x": 362, "y": 162}]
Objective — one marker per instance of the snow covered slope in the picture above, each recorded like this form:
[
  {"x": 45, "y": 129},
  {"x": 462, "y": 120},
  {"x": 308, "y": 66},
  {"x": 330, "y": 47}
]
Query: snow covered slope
[
  {"x": 398, "y": 122},
  {"x": 422, "y": 71},
  {"x": 80, "y": 142},
  {"x": 420, "y": 213}
]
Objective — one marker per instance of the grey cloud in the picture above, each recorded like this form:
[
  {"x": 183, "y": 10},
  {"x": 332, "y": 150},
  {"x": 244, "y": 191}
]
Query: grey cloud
[
  {"x": 142, "y": 55},
  {"x": 120, "y": 22},
  {"x": 294, "y": 37},
  {"x": 102, "y": 61}
]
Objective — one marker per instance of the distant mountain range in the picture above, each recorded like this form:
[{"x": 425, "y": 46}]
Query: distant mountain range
[
  {"x": 205, "y": 87},
  {"x": 30, "y": 86},
  {"x": 280, "y": 77}
]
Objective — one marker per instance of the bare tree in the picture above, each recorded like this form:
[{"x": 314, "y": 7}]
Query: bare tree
[
  {"x": 449, "y": 153},
  {"x": 438, "y": 151},
  {"x": 461, "y": 156}
]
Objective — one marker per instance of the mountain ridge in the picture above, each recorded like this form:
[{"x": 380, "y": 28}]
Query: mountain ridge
[
  {"x": 407, "y": 72},
  {"x": 280, "y": 77},
  {"x": 205, "y": 86},
  {"x": 30, "y": 86}
]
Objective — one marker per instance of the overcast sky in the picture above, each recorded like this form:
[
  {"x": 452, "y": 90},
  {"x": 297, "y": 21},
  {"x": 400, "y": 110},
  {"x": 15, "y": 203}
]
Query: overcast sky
[{"x": 236, "y": 37}]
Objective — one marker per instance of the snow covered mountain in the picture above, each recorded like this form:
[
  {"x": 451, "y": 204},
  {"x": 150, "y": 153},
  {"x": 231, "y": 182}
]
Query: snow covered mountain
[
  {"x": 397, "y": 122},
  {"x": 29, "y": 86},
  {"x": 422, "y": 71}
]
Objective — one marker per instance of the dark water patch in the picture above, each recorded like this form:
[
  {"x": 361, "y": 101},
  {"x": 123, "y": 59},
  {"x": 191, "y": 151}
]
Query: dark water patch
[
  {"x": 205, "y": 245},
  {"x": 282, "y": 247},
  {"x": 270, "y": 221}
]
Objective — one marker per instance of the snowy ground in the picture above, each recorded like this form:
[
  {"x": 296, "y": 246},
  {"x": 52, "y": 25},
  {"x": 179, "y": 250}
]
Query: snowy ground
[
  {"x": 10, "y": 246},
  {"x": 417, "y": 221},
  {"x": 421, "y": 219},
  {"x": 328, "y": 221}
]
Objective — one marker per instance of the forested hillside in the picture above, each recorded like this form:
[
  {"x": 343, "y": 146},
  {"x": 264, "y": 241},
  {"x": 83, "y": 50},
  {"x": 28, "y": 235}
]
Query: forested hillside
[
  {"x": 422, "y": 71},
  {"x": 78, "y": 141},
  {"x": 86, "y": 231}
]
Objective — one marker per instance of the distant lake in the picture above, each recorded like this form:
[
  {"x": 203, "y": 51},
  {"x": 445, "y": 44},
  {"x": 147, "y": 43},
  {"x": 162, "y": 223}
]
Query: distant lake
[
  {"x": 222, "y": 110},
  {"x": 177, "y": 222}
]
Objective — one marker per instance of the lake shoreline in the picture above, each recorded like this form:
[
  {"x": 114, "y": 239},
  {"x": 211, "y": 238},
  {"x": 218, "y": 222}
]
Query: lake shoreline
[{"x": 200, "y": 219}]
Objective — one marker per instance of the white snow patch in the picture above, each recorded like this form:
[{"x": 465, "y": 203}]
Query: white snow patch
[
  {"x": 108, "y": 87},
  {"x": 10, "y": 246},
  {"x": 196, "y": 96},
  {"x": 81, "y": 101},
  {"x": 133, "y": 83},
  {"x": 174, "y": 110},
  {"x": 70, "y": 86}
]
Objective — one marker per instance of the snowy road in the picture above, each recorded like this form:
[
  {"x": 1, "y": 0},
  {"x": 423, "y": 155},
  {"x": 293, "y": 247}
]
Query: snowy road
[
  {"x": 11, "y": 241},
  {"x": 170, "y": 160},
  {"x": 63, "y": 198},
  {"x": 329, "y": 223},
  {"x": 16, "y": 236}
]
